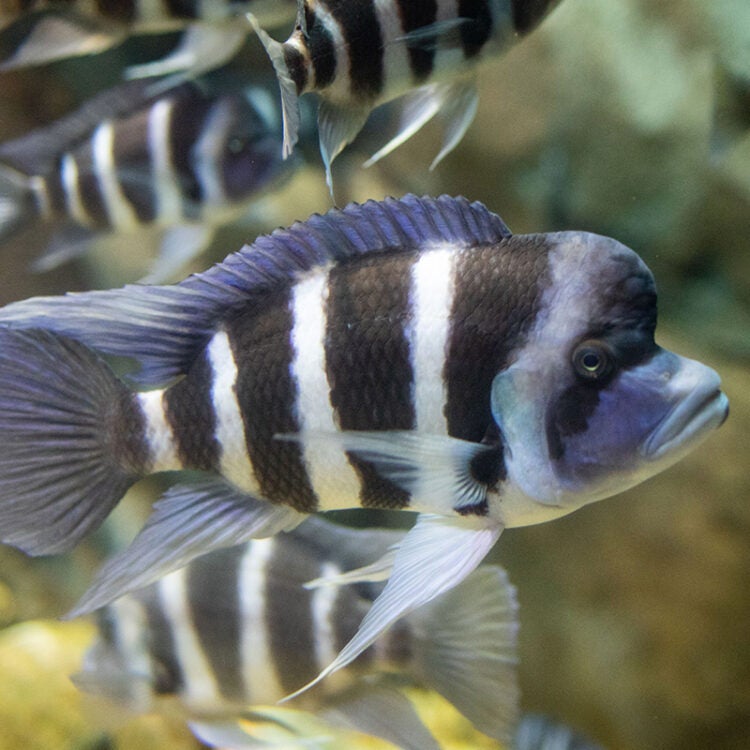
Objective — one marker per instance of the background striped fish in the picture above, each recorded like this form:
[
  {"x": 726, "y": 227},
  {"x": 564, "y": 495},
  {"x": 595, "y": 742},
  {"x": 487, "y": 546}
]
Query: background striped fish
[
  {"x": 236, "y": 630},
  {"x": 36, "y": 32},
  {"x": 181, "y": 162},
  {"x": 410, "y": 354},
  {"x": 358, "y": 54}
]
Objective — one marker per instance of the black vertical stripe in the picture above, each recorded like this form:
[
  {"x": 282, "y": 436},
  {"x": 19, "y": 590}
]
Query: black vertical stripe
[
  {"x": 416, "y": 15},
  {"x": 215, "y": 610},
  {"x": 189, "y": 411},
  {"x": 289, "y": 619},
  {"x": 183, "y": 8},
  {"x": 118, "y": 10},
  {"x": 496, "y": 299},
  {"x": 186, "y": 124},
  {"x": 528, "y": 13},
  {"x": 89, "y": 188},
  {"x": 56, "y": 194},
  {"x": 127, "y": 435},
  {"x": 478, "y": 27},
  {"x": 368, "y": 360},
  {"x": 321, "y": 49},
  {"x": 295, "y": 65},
  {"x": 168, "y": 677},
  {"x": 260, "y": 338},
  {"x": 364, "y": 43},
  {"x": 133, "y": 164}
]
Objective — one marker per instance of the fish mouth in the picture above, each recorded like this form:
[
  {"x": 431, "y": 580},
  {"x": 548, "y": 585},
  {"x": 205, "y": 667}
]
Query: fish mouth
[{"x": 700, "y": 412}]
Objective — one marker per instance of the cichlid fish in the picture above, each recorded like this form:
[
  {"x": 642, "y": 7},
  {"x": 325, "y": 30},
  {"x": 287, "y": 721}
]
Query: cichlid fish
[
  {"x": 236, "y": 630},
  {"x": 45, "y": 31},
  {"x": 358, "y": 54},
  {"x": 408, "y": 354},
  {"x": 181, "y": 162}
]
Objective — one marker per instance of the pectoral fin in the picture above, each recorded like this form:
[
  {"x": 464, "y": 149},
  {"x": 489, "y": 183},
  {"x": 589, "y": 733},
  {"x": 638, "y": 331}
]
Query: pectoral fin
[
  {"x": 189, "y": 520},
  {"x": 179, "y": 245},
  {"x": 380, "y": 570},
  {"x": 337, "y": 127},
  {"x": 436, "y": 555}
]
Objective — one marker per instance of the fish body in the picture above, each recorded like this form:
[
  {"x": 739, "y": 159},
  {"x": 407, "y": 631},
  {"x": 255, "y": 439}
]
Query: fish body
[
  {"x": 358, "y": 54},
  {"x": 51, "y": 30},
  {"x": 408, "y": 354},
  {"x": 236, "y": 630},
  {"x": 191, "y": 158}
]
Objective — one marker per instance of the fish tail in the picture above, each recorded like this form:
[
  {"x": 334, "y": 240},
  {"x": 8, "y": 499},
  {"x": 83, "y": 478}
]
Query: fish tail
[
  {"x": 465, "y": 649},
  {"x": 72, "y": 440},
  {"x": 17, "y": 205},
  {"x": 290, "y": 112}
]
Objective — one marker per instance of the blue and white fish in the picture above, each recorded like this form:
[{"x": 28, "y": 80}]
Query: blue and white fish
[
  {"x": 408, "y": 354},
  {"x": 214, "y": 30},
  {"x": 182, "y": 162},
  {"x": 358, "y": 54},
  {"x": 237, "y": 630}
]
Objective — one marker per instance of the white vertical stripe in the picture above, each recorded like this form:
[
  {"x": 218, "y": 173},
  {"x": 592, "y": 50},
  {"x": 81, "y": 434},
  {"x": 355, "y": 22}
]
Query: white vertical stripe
[
  {"x": 432, "y": 296},
  {"x": 130, "y": 634},
  {"x": 200, "y": 689},
  {"x": 159, "y": 436},
  {"x": 120, "y": 212},
  {"x": 166, "y": 183},
  {"x": 396, "y": 65},
  {"x": 332, "y": 477},
  {"x": 208, "y": 155},
  {"x": 234, "y": 460},
  {"x": 323, "y": 611},
  {"x": 73, "y": 201},
  {"x": 256, "y": 659}
]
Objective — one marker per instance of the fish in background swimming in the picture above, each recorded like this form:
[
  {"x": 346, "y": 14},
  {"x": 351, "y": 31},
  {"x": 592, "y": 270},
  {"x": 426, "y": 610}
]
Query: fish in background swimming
[
  {"x": 179, "y": 163},
  {"x": 536, "y": 732},
  {"x": 407, "y": 354},
  {"x": 236, "y": 630},
  {"x": 39, "y": 32},
  {"x": 358, "y": 54}
]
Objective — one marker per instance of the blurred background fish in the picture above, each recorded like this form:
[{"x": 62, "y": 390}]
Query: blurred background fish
[
  {"x": 36, "y": 32},
  {"x": 236, "y": 630},
  {"x": 179, "y": 163},
  {"x": 358, "y": 54}
]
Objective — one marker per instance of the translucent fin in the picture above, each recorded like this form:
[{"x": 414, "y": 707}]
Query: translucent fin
[
  {"x": 290, "y": 113},
  {"x": 66, "y": 244},
  {"x": 381, "y": 712},
  {"x": 188, "y": 521},
  {"x": 337, "y": 127},
  {"x": 458, "y": 112},
  {"x": 164, "y": 327},
  {"x": 179, "y": 245},
  {"x": 466, "y": 649},
  {"x": 436, "y": 555},
  {"x": 436, "y": 470},
  {"x": 62, "y": 415},
  {"x": 56, "y": 38},
  {"x": 202, "y": 47},
  {"x": 380, "y": 570}
]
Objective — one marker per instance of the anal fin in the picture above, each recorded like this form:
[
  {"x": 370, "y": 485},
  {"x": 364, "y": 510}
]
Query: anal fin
[{"x": 436, "y": 555}]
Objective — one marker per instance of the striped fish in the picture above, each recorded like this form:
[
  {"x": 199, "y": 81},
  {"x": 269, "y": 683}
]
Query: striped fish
[
  {"x": 236, "y": 629},
  {"x": 182, "y": 162},
  {"x": 44, "y": 31},
  {"x": 358, "y": 54},
  {"x": 408, "y": 354}
]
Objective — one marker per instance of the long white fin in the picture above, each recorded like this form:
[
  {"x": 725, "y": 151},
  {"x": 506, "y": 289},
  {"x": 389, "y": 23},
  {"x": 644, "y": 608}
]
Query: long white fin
[{"x": 436, "y": 555}]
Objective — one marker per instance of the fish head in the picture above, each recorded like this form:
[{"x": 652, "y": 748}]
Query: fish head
[{"x": 591, "y": 405}]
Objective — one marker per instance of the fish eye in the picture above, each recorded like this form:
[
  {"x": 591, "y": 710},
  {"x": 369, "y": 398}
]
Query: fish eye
[
  {"x": 236, "y": 145},
  {"x": 593, "y": 360}
]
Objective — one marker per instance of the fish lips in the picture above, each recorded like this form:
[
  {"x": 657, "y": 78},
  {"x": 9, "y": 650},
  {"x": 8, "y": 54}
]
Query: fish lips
[{"x": 699, "y": 407}]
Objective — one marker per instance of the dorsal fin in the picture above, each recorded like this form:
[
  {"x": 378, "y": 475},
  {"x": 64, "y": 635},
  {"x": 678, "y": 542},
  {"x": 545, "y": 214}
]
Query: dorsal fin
[{"x": 164, "y": 327}]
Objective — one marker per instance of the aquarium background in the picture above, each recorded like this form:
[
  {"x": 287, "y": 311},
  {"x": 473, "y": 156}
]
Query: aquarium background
[{"x": 626, "y": 117}]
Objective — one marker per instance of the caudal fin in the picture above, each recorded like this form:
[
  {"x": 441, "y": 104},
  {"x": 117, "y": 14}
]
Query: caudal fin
[
  {"x": 289, "y": 99},
  {"x": 465, "y": 648},
  {"x": 16, "y": 201},
  {"x": 69, "y": 431}
]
